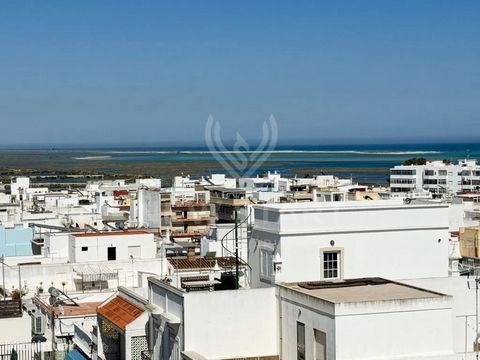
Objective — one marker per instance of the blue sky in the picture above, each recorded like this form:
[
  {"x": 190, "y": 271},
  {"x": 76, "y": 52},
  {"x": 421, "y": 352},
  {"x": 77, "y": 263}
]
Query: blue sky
[{"x": 150, "y": 72}]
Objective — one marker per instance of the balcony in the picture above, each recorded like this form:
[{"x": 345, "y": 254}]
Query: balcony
[
  {"x": 189, "y": 234},
  {"x": 201, "y": 220},
  {"x": 34, "y": 350},
  {"x": 190, "y": 205}
]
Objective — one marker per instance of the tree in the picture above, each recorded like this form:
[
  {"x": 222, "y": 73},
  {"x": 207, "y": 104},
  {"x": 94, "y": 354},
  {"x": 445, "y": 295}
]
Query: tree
[{"x": 415, "y": 161}]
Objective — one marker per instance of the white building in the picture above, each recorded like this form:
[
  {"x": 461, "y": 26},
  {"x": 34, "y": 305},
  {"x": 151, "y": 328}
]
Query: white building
[
  {"x": 111, "y": 246},
  {"x": 229, "y": 324},
  {"x": 56, "y": 245},
  {"x": 321, "y": 181},
  {"x": 18, "y": 186},
  {"x": 268, "y": 183},
  {"x": 36, "y": 193},
  {"x": 149, "y": 183},
  {"x": 60, "y": 200},
  {"x": 348, "y": 239},
  {"x": 148, "y": 208},
  {"x": 368, "y": 318},
  {"x": 437, "y": 177}
]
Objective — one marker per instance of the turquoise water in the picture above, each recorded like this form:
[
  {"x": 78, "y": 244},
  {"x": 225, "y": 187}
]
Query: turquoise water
[{"x": 362, "y": 162}]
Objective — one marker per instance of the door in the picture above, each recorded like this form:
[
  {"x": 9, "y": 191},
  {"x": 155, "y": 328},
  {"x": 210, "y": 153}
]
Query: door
[{"x": 112, "y": 253}]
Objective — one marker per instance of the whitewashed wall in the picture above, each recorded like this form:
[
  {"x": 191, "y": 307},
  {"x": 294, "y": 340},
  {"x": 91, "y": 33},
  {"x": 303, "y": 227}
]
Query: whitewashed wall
[
  {"x": 377, "y": 238},
  {"x": 233, "y": 323},
  {"x": 463, "y": 318},
  {"x": 368, "y": 330},
  {"x": 98, "y": 245},
  {"x": 413, "y": 328}
]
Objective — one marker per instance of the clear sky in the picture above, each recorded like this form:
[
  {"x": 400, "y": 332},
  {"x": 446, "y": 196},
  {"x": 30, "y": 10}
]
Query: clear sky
[{"x": 150, "y": 72}]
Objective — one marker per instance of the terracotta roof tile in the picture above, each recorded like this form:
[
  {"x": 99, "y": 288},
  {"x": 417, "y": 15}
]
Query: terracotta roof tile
[{"x": 120, "y": 312}]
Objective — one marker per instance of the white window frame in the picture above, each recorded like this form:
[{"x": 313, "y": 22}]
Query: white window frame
[
  {"x": 266, "y": 256},
  {"x": 340, "y": 261}
]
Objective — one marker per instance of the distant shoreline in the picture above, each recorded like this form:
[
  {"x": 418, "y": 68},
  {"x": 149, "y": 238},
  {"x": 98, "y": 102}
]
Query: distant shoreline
[{"x": 367, "y": 164}]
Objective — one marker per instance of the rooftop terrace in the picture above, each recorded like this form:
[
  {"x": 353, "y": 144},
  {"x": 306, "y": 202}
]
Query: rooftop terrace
[{"x": 360, "y": 290}]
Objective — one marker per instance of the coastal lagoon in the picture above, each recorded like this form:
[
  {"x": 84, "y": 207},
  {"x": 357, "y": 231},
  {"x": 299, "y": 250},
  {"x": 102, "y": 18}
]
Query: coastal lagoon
[{"x": 364, "y": 163}]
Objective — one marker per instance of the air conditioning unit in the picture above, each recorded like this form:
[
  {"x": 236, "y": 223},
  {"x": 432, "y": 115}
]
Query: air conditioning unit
[{"x": 38, "y": 324}]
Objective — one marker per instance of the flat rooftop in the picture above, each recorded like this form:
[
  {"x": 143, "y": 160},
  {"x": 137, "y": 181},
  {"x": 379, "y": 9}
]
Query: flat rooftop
[
  {"x": 360, "y": 290},
  {"x": 341, "y": 205},
  {"x": 110, "y": 233}
]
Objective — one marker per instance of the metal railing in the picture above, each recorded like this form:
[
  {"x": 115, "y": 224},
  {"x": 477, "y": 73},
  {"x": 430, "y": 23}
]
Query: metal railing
[
  {"x": 22, "y": 351},
  {"x": 146, "y": 354}
]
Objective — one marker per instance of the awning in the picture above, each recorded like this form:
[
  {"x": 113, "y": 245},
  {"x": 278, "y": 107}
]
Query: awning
[
  {"x": 95, "y": 272},
  {"x": 75, "y": 355}
]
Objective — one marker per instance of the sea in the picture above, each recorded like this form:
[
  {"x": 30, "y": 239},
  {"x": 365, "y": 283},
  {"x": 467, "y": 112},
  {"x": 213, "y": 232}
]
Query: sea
[{"x": 363, "y": 163}]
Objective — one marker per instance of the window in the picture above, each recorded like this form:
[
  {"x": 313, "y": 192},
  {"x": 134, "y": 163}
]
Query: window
[
  {"x": 84, "y": 248},
  {"x": 111, "y": 253},
  {"x": 403, "y": 172},
  {"x": 300, "y": 341},
  {"x": 266, "y": 263},
  {"x": 442, "y": 172},
  {"x": 402, "y": 181},
  {"x": 429, "y": 173},
  {"x": 400, "y": 189},
  {"x": 320, "y": 344},
  {"x": 331, "y": 264}
]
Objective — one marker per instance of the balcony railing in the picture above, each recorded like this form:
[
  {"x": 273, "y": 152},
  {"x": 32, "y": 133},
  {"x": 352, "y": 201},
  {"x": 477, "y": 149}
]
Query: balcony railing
[
  {"x": 192, "y": 220},
  {"x": 10, "y": 308},
  {"x": 22, "y": 351},
  {"x": 146, "y": 354}
]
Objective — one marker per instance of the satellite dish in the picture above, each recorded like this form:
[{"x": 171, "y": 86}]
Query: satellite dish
[{"x": 54, "y": 291}]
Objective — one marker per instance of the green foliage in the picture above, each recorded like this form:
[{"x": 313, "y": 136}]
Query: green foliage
[
  {"x": 415, "y": 161},
  {"x": 16, "y": 295}
]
